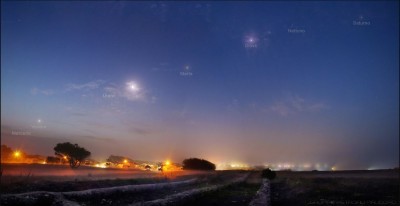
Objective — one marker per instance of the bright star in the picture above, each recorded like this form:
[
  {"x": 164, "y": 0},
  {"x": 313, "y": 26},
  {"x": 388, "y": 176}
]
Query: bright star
[
  {"x": 133, "y": 86},
  {"x": 251, "y": 41}
]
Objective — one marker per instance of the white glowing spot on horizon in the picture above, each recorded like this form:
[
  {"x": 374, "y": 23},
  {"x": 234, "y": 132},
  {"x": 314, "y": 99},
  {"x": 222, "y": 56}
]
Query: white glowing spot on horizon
[{"x": 39, "y": 120}]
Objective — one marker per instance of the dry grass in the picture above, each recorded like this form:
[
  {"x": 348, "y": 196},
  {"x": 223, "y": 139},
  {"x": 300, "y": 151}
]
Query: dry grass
[{"x": 334, "y": 190}]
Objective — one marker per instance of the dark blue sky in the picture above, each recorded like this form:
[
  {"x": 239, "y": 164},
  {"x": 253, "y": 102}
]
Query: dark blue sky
[{"x": 250, "y": 82}]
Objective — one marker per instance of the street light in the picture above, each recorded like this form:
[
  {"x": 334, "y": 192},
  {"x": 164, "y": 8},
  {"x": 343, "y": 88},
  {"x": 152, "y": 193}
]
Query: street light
[{"x": 17, "y": 154}]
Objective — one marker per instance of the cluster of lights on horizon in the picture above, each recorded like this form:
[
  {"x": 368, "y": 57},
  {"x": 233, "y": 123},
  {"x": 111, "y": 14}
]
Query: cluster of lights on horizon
[
  {"x": 280, "y": 166},
  {"x": 169, "y": 165},
  {"x": 236, "y": 165}
]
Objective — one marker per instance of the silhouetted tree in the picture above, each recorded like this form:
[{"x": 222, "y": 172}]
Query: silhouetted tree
[
  {"x": 197, "y": 164},
  {"x": 72, "y": 152},
  {"x": 268, "y": 173}
]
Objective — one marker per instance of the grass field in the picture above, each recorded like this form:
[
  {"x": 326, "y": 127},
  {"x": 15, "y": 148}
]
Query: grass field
[
  {"x": 133, "y": 187},
  {"x": 336, "y": 188}
]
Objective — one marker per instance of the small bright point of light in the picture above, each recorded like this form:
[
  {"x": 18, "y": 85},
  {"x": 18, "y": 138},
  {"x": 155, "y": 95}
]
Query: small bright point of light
[
  {"x": 251, "y": 39},
  {"x": 125, "y": 161},
  {"x": 133, "y": 86},
  {"x": 65, "y": 157},
  {"x": 333, "y": 168},
  {"x": 39, "y": 120},
  {"x": 167, "y": 162},
  {"x": 17, "y": 153},
  {"x": 187, "y": 67}
]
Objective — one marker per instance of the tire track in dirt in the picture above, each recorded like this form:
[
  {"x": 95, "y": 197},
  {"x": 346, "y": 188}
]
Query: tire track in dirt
[
  {"x": 31, "y": 198},
  {"x": 263, "y": 195},
  {"x": 176, "y": 198}
]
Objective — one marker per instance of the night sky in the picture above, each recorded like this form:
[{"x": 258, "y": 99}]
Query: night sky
[{"x": 246, "y": 82}]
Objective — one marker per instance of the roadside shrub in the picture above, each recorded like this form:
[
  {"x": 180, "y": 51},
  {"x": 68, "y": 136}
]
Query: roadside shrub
[
  {"x": 197, "y": 164},
  {"x": 268, "y": 173}
]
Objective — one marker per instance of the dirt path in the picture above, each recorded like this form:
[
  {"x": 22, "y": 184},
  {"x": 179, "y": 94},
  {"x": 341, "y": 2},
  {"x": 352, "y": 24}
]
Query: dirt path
[
  {"x": 177, "y": 198},
  {"x": 138, "y": 194},
  {"x": 66, "y": 198},
  {"x": 263, "y": 195}
]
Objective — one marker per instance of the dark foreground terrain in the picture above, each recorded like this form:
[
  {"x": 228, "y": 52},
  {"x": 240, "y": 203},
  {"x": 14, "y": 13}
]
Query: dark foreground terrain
[
  {"x": 96, "y": 186},
  {"x": 379, "y": 187}
]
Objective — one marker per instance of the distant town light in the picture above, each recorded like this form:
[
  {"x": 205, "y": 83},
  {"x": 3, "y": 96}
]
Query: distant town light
[
  {"x": 167, "y": 162},
  {"x": 125, "y": 161},
  {"x": 17, "y": 154}
]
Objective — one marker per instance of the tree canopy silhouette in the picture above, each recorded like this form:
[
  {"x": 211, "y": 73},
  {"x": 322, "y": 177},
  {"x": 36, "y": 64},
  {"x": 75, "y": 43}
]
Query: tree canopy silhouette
[
  {"x": 72, "y": 152},
  {"x": 197, "y": 164}
]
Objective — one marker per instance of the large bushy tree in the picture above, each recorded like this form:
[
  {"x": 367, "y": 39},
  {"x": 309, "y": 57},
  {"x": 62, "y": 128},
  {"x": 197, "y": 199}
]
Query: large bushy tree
[
  {"x": 197, "y": 164},
  {"x": 72, "y": 152}
]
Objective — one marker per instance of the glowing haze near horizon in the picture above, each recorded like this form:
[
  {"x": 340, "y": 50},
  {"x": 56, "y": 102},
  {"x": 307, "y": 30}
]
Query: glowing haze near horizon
[{"x": 244, "y": 82}]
